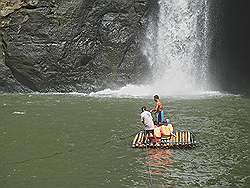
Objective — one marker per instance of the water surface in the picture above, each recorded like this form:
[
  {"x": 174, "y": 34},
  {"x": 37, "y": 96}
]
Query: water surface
[{"x": 79, "y": 141}]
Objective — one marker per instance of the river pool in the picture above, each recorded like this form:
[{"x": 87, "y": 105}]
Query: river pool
[{"x": 80, "y": 141}]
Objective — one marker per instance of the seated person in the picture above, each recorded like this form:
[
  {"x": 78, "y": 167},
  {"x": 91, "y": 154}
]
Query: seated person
[
  {"x": 157, "y": 135},
  {"x": 167, "y": 130}
]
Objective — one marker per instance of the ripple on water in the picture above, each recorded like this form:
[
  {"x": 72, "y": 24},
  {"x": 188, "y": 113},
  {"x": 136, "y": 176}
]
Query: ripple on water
[{"x": 19, "y": 113}]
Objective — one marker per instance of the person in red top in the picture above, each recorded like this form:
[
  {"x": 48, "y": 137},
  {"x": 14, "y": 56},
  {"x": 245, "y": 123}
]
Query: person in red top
[{"x": 158, "y": 109}]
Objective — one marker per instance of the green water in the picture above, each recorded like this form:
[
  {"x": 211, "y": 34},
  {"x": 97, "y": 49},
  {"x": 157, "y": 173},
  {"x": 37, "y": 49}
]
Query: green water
[{"x": 76, "y": 141}]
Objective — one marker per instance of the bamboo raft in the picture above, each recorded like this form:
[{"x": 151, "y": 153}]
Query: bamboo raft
[{"x": 182, "y": 139}]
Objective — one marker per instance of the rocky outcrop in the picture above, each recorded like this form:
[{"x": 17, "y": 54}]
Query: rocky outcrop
[
  {"x": 72, "y": 45},
  {"x": 8, "y": 83}
]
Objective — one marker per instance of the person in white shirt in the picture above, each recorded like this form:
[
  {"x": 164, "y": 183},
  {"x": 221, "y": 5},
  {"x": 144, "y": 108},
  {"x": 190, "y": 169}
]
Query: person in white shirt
[{"x": 147, "y": 120}]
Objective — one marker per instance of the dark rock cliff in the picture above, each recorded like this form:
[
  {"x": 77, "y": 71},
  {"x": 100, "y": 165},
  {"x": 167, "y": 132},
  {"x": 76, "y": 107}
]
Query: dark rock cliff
[
  {"x": 230, "y": 45},
  {"x": 72, "y": 45}
]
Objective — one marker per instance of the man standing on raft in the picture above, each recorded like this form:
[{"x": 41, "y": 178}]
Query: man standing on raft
[
  {"x": 147, "y": 120},
  {"x": 158, "y": 109}
]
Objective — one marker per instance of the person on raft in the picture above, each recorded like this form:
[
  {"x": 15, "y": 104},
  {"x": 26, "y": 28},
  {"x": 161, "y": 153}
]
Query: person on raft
[
  {"x": 147, "y": 120},
  {"x": 158, "y": 109},
  {"x": 152, "y": 132}
]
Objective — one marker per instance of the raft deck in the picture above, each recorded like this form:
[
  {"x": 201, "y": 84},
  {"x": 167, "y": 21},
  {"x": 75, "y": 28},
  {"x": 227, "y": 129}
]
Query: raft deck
[{"x": 182, "y": 139}]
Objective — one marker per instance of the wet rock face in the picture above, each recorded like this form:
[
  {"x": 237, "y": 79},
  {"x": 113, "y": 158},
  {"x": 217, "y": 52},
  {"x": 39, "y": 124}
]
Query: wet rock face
[
  {"x": 72, "y": 45},
  {"x": 8, "y": 83},
  {"x": 230, "y": 36}
]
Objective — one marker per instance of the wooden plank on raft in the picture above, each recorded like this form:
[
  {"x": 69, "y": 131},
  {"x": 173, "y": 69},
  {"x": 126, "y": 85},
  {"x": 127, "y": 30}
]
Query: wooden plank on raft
[
  {"x": 174, "y": 139},
  {"x": 188, "y": 139},
  {"x": 135, "y": 139},
  {"x": 185, "y": 135},
  {"x": 138, "y": 139},
  {"x": 165, "y": 143},
  {"x": 141, "y": 140},
  {"x": 177, "y": 137},
  {"x": 192, "y": 139},
  {"x": 168, "y": 143},
  {"x": 171, "y": 141},
  {"x": 185, "y": 141},
  {"x": 182, "y": 139}
]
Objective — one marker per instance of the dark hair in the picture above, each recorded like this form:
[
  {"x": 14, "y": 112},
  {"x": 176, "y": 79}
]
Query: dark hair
[
  {"x": 143, "y": 108},
  {"x": 156, "y": 97}
]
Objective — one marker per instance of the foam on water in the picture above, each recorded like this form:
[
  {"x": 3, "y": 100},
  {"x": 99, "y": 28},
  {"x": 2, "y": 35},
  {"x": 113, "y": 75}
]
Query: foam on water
[{"x": 147, "y": 91}]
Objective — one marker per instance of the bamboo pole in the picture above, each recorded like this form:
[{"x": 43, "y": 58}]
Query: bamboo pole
[
  {"x": 177, "y": 137},
  {"x": 138, "y": 140},
  {"x": 185, "y": 141},
  {"x": 135, "y": 139},
  {"x": 180, "y": 138},
  {"x": 141, "y": 140},
  {"x": 171, "y": 140},
  {"x": 182, "y": 135},
  {"x": 188, "y": 138},
  {"x": 192, "y": 139}
]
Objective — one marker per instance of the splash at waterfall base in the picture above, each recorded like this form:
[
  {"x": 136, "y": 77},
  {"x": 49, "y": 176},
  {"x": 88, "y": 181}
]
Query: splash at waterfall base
[{"x": 147, "y": 91}]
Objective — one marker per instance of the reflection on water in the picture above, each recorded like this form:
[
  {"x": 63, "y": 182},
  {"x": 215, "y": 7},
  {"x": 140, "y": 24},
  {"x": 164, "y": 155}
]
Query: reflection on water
[
  {"x": 159, "y": 161},
  {"x": 155, "y": 167}
]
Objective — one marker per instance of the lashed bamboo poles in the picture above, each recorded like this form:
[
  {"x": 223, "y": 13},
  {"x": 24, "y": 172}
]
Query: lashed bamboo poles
[{"x": 182, "y": 139}]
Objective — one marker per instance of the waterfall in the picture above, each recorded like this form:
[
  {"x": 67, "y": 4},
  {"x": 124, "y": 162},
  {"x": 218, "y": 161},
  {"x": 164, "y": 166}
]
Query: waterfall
[
  {"x": 177, "y": 50},
  {"x": 179, "y": 55}
]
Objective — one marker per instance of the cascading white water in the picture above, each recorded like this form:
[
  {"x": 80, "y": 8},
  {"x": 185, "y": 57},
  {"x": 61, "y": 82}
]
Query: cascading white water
[
  {"x": 180, "y": 57},
  {"x": 176, "y": 48}
]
